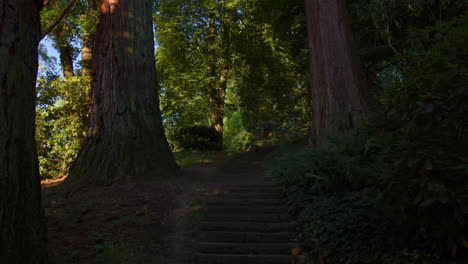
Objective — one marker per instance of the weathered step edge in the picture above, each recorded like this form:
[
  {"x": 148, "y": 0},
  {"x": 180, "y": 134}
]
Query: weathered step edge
[
  {"x": 248, "y": 259},
  {"x": 247, "y": 202},
  {"x": 249, "y": 248},
  {"x": 246, "y": 237},
  {"x": 259, "y": 209},
  {"x": 247, "y": 226},
  {"x": 252, "y": 217}
]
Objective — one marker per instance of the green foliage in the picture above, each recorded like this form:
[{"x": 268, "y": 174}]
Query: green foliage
[
  {"x": 269, "y": 81},
  {"x": 194, "y": 138},
  {"x": 423, "y": 125},
  {"x": 326, "y": 187},
  {"x": 381, "y": 29},
  {"x": 235, "y": 136},
  {"x": 339, "y": 164},
  {"x": 265, "y": 84},
  {"x": 88, "y": 17},
  {"x": 411, "y": 158},
  {"x": 110, "y": 251},
  {"x": 181, "y": 28},
  {"x": 61, "y": 115},
  {"x": 341, "y": 228},
  {"x": 193, "y": 158},
  {"x": 347, "y": 193}
]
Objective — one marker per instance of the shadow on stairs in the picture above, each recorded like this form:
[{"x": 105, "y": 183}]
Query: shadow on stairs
[{"x": 248, "y": 224}]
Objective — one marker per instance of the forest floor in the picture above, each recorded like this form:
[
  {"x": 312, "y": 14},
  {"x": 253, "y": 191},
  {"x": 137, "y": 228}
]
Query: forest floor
[{"x": 146, "y": 222}]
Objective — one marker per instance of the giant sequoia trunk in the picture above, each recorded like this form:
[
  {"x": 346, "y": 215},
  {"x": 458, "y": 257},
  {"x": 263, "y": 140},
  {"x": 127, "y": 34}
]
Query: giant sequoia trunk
[
  {"x": 22, "y": 225},
  {"x": 125, "y": 138},
  {"x": 88, "y": 45},
  {"x": 338, "y": 98}
]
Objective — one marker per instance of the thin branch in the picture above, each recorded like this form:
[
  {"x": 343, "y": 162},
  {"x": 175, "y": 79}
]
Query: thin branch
[
  {"x": 389, "y": 40},
  {"x": 46, "y": 2},
  {"x": 60, "y": 17}
]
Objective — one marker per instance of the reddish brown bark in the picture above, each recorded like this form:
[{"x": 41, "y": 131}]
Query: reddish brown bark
[
  {"x": 125, "y": 139},
  {"x": 338, "y": 91},
  {"x": 22, "y": 225}
]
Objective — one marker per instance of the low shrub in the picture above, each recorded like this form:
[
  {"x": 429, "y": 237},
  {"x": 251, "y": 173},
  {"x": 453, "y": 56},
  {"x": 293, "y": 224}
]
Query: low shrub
[
  {"x": 339, "y": 164},
  {"x": 196, "y": 137},
  {"x": 338, "y": 192},
  {"x": 342, "y": 229}
]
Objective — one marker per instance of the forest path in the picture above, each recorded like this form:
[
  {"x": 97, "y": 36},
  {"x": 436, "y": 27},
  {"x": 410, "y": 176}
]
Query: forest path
[{"x": 231, "y": 215}]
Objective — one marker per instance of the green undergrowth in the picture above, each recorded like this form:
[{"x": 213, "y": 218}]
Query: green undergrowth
[
  {"x": 337, "y": 193},
  {"x": 109, "y": 251},
  {"x": 195, "y": 158}
]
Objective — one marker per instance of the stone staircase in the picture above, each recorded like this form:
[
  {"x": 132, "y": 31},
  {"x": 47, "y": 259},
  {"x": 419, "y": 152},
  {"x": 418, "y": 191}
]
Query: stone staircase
[{"x": 247, "y": 224}]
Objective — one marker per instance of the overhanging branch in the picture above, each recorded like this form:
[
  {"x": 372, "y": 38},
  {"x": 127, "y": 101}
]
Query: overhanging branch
[{"x": 59, "y": 18}]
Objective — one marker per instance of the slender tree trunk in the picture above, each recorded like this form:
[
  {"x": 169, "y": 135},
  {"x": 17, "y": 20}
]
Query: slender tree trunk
[
  {"x": 338, "y": 91},
  {"x": 22, "y": 225},
  {"x": 216, "y": 96},
  {"x": 125, "y": 139},
  {"x": 87, "y": 55},
  {"x": 219, "y": 78},
  {"x": 88, "y": 45},
  {"x": 224, "y": 74},
  {"x": 64, "y": 48}
]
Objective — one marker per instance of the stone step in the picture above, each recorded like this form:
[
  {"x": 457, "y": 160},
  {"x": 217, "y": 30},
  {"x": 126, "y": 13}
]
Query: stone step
[
  {"x": 251, "y": 217},
  {"x": 247, "y": 259},
  {"x": 241, "y": 202},
  {"x": 247, "y": 209},
  {"x": 265, "y": 185},
  {"x": 249, "y": 248},
  {"x": 255, "y": 190},
  {"x": 247, "y": 226},
  {"x": 246, "y": 237},
  {"x": 234, "y": 195}
]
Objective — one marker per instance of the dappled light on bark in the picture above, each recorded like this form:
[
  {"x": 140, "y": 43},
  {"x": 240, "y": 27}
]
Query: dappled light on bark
[{"x": 125, "y": 138}]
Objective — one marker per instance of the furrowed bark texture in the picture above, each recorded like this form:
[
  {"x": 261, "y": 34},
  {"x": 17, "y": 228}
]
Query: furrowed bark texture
[
  {"x": 88, "y": 46},
  {"x": 22, "y": 225},
  {"x": 125, "y": 138},
  {"x": 338, "y": 91}
]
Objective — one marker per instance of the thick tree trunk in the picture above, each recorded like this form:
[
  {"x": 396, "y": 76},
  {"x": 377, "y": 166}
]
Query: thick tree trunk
[
  {"x": 125, "y": 138},
  {"x": 338, "y": 97},
  {"x": 87, "y": 46},
  {"x": 22, "y": 225}
]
